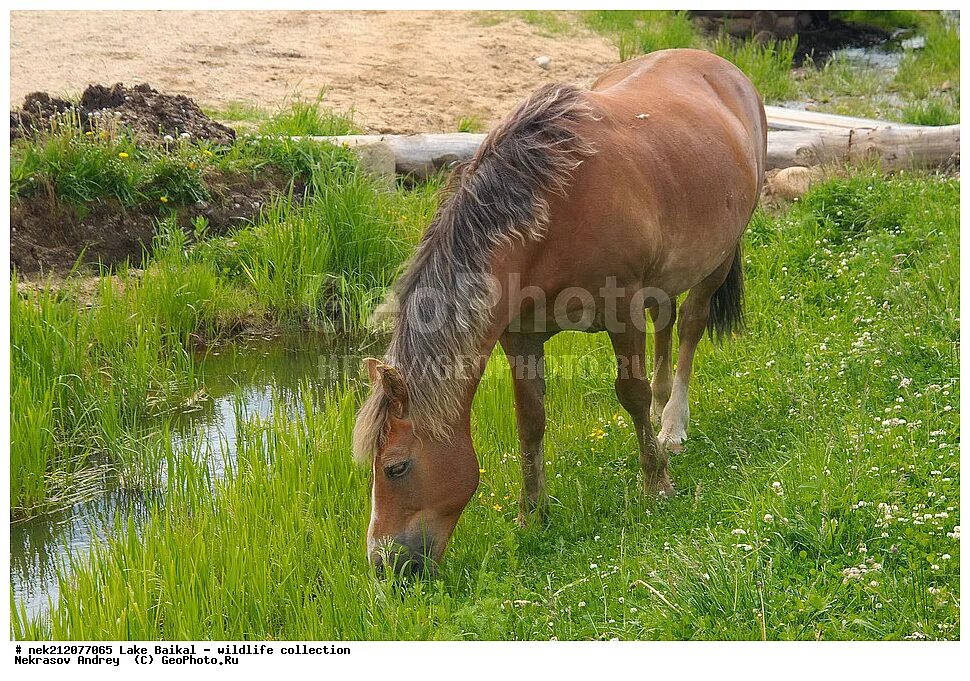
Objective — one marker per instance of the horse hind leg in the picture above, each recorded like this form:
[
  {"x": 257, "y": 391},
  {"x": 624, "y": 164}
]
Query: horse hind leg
[
  {"x": 663, "y": 332},
  {"x": 634, "y": 394},
  {"x": 720, "y": 293}
]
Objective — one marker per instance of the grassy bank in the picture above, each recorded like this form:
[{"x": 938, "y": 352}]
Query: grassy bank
[
  {"x": 818, "y": 495},
  {"x": 90, "y": 365},
  {"x": 925, "y": 89}
]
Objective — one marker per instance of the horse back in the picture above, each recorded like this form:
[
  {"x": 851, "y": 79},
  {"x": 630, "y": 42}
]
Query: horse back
[{"x": 680, "y": 139}]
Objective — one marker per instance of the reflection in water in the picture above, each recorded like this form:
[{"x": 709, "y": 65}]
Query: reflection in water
[
  {"x": 248, "y": 379},
  {"x": 41, "y": 545}
]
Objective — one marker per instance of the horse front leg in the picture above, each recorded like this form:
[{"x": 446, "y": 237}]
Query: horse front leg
[
  {"x": 633, "y": 392},
  {"x": 526, "y": 355}
]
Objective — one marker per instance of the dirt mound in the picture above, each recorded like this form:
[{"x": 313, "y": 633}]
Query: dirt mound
[
  {"x": 146, "y": 112},
  {"x": 49, "y": 236}
]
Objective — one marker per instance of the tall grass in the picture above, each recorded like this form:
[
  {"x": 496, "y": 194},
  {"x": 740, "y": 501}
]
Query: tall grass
[
  {"x": 304, "y": 116},
  {"x": 81, "y": 385},
  {"x": 81, "y": 167},
  {"x": 768, "y": 64},
  {"x": 937, "y": 62},
  {"x": 818, "y": 495},
  {"x": 643, "y": 31},
  {"x": 636, "y": 32},
  {"x": 838, "y": 86},
  {"x": 86, "y": 378}
]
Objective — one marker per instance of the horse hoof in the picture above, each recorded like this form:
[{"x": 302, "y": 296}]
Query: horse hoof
[
  {"x": 533, "y": 515},
  {"x": 662, "y": 489},
  {"x": 672, "y": 443}
]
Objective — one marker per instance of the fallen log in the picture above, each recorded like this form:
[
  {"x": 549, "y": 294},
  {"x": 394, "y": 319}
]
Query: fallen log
[
  {"x": 781, "y": 118},
  {"x": 417, "y": 155},
  {"x": 893, "y": 148}
]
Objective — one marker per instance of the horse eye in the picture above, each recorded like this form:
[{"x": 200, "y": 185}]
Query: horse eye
[{"x": 397, "y": 470}]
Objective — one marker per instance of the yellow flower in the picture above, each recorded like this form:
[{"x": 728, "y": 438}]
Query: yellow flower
[
  {"x": 191, "y": 165},
  {"x": 497, "y": 507},
  {"x": 123, "y": 154},
  {"x": 207, "y": 152},
  {"x": 163, "y": 199},
  {"x": 481, "y": 470},
  {"x": 89, "y": 133}
]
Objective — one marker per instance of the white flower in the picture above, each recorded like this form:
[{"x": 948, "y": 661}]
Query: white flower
[
  {"x": 593, "y": 566},
  {"x": 738, "y": 532},
  {"x": 768, "y": 518}
]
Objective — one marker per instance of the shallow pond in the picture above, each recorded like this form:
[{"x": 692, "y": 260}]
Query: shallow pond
[{"x": 252, "y": 376}]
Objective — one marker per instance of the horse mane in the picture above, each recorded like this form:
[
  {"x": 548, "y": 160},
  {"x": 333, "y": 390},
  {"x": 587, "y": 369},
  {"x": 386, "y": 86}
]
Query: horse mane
[{"x": 498, "y": 197}]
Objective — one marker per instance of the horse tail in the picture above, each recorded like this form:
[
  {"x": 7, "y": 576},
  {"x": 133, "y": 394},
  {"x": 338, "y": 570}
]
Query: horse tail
[{"x": 727, "y": 303}]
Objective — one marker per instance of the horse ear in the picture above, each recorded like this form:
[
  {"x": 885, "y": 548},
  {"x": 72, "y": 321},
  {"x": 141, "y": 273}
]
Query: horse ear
[
  {"x": 391, "y": 382},
  {"x": 371, "y": 365}
]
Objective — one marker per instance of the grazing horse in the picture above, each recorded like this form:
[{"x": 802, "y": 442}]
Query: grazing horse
[{"x": 581, "y": 210}]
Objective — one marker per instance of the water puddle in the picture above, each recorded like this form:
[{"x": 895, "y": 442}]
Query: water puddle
[
  {"x": 253, "y": 376},
  {"x": 878, "y": 60}
]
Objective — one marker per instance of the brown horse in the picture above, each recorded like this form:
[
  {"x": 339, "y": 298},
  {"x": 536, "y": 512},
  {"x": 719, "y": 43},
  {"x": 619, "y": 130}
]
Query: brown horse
[{"x": 581, "y": 210}]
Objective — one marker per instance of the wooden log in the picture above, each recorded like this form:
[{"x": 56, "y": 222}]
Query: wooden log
[
  {"x": 893, "y": 147},
  {"x": 780, "y": 118},
  {"x": 419, "y": 155}
]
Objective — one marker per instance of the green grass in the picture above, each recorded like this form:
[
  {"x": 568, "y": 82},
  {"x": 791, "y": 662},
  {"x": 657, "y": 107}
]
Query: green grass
[
  {"x": 302, "y": 116},
  {"x": 82, "y": 168},
  {"x": 321, "y": 264},
  {"x": 936, "y": 111},
  {"x": 886, "y": 19},
  {"x": 926, "y": 70},
  {"x": 91, "y": 368},
  {"x": 818, "y": 495},
  {"x": 550, "y": 23},
  {"x": 238, "y": 112},
  {"x": 82, "y": 385},
  {"x": 768, "y": 65},
  {"x": 470, "y": 124},
  {"x": 636, "y": 32},
  {"x": 925, "y": 90}
]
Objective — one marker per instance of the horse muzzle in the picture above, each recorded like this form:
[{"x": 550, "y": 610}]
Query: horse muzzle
[{"x": 402, "y": 557}]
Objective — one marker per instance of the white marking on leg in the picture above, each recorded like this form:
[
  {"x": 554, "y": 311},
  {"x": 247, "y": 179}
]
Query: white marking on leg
[{"x": 676, "y": 416}]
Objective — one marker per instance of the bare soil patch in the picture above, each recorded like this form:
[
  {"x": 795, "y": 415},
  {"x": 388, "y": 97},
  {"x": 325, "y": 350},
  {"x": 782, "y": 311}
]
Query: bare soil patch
[
  {"x": 49, "y": 236},
  {"x": 399, "y": 71}
]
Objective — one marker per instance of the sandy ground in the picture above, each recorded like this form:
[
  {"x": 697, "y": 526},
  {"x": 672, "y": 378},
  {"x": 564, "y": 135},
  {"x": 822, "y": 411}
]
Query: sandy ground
[{"x": 399, "y": 71}]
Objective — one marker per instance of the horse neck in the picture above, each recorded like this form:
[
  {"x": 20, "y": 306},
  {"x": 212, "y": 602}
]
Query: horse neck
[
  {"x": 473, "y": 365},
  {"x": 503, "y": 264}
]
